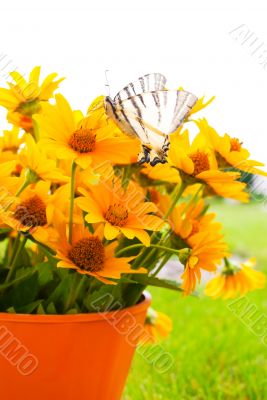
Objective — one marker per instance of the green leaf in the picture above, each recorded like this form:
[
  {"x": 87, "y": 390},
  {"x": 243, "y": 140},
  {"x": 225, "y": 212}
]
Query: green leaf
[
  {"x": 11, "y": 310},
  {"x": 3, "y": 274},
  {"x": 24, "y": 259},
  {"x": 3, "y": 250},
  {"x": 106, "y": 298},
  {"x": 29, "y": 308},
  {"x": 22, "y": 293},
  {"x": 23, "y": 271},
  {"x": 60, "y": 294},
  {"x": 4, "y": 230},
  {"x": 40, "y": 309},
  {"x": 51, "y": 309},
  {"x": 15, "y": 281},
  {"x": 72, "y": 311},
  {"x": 45, "y": 273}
]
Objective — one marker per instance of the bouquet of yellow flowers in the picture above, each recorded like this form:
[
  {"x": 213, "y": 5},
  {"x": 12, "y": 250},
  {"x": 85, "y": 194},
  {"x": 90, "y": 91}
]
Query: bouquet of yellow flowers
[{"x": 81, "y": 217}]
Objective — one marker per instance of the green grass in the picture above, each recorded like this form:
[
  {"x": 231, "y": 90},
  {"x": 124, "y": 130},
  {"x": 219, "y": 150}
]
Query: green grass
[{"x": 216, "y": 356}]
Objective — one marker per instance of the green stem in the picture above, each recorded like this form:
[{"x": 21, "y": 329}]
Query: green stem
[
  {"x": 23, "y": 187},
  {"x": 192, "y": 200},
  {"x": 15, "y": 258},
  {"x": 155, "y": 246},
  {"x": 80, "y": 287},
  {"x": 45, "y": 248},
  {"x": 132, "y": 247},
  {"x": 226, "y": 262},
  {"x": 161, "y": 265},
  {"x": 175, "y": 200},
  {"x": 15, "y": 248},
  {"x": 25, "y": 184},
  {"x": 77, "y": 284},
  {"x": 177, "y": 196},
  {"x": 72, "y": 195},
  {"x": 146, "y": 254}
]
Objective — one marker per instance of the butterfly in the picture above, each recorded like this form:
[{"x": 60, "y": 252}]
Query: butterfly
[{"x": 146, "y": 110}]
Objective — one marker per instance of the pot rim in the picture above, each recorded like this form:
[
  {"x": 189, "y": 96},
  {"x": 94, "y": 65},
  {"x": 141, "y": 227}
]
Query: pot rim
[{"x": 84, "y": 317}]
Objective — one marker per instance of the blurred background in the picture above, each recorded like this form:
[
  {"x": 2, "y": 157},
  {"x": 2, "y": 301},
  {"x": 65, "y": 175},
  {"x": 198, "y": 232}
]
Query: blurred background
[{"x": 210, "y": 49}]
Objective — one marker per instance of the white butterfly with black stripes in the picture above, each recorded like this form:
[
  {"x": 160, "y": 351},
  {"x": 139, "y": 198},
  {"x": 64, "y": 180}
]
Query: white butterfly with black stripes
[{"x": 145, "y": 109}]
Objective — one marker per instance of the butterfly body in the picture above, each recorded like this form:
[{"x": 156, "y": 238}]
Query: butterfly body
[{"x": 145, "y": 109}]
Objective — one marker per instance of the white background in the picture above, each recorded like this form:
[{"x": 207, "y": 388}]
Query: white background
[{"x": 190, "y": 44}]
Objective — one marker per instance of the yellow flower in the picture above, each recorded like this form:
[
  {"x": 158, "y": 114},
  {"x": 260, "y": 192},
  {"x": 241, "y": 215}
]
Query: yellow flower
[
  {"x": 35, "y": 162},
  {"x": 20, "y": 120},
  {"x": 229, "y": 151},
  {"x": 9, "y": 181},
  {"x": 188, "y": 219},
  {"x": 157, "y": 326},
  {"x": 200, "y": 237},
  {"x": 88, "y": 255},
  {"x": 235, "y": 281},
  {"x": 207, "y": 251},
  {"x": 28, "y": 213},
  {"x": 83, "y": 140},
  {"x": 121, "y": 211},
  {"x": 90, "y": 175},
  {"x": 11, "y": 141},
  {"x": 23, "y": 98},
  {"x": 97, "y": 111},
  {"x": 161, "y": 172},
  {"x": 200, "y": 105},
  {"x": 197, "y": 164},
  {"x": 6, "y": 169},
  {"x": 60, "y": 204}
]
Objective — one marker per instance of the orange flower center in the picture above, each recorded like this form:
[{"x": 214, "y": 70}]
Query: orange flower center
[
  {"x": 13, "y": 149},
  {"x": 201, "y": 162},
  {"x": 235, "y": 144},
  {"x": 17, "y": 170},
  {"x": 88, "y": 254},
  {"x": 83, "y": 141},
  {"x": 31, "y": 212},
  {"x": 117, "y": 214}
]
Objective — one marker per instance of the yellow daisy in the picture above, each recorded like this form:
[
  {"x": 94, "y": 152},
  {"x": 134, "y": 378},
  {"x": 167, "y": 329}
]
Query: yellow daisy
[
  {"x": 11, "y": 140},
  {"x": 207, "y": 252},
  {"x": 157, "y": 326},
  {"x": 88, "y": 255},
  {"x": 162, "y": 173},
  {"x": 35, "y": 162},
  {"x": 10, "y": 143},
  {"x": 197, "y": 164},
  {"x": 121, "y": 211},
  {"x": 234, "y": 281},
  {"x": 9, "y": 180},
  {"x": 199, "y": 235},
  {"x": 83, "y": 140},
  {"x": 229, "y": 151},
  {"x": 23, "y": 98},
  {"x": 20, "y": 120},
  {"x": 28, "y": 213},
  {"x": 188, "y": 219},
  {"x": 201, "y": 104}
]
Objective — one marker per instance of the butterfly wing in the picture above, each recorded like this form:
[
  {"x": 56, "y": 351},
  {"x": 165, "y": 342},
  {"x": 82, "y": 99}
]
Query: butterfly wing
[
  {"x": 146, "y": 83},
  {"x": 153, "y": 116}
]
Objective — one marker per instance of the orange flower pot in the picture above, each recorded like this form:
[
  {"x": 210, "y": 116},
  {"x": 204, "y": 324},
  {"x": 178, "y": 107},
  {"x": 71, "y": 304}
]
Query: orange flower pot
[{"x": 70, "y": 357}]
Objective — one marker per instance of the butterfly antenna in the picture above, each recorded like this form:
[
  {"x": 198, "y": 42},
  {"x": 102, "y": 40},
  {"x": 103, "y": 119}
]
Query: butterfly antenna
[{"x": 107, "y": 82}]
